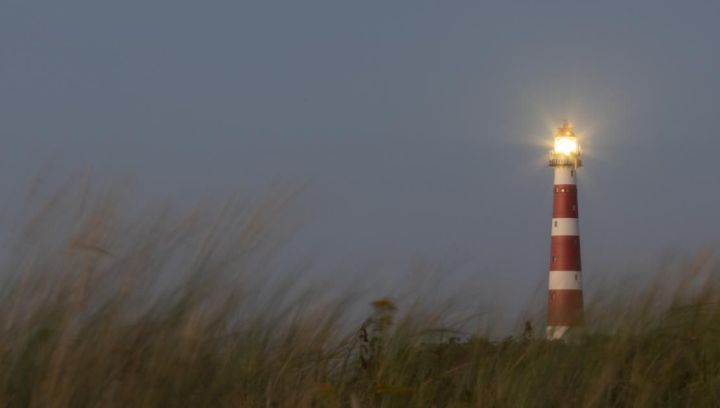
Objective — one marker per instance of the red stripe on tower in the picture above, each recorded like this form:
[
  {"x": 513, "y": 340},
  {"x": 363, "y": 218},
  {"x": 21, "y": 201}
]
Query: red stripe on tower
[{"x": 565, "y": 300}]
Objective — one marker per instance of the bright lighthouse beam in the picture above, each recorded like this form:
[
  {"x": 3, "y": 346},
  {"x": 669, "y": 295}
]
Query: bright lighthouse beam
[
  {"x": 566, "y": 145},
  {"x": 566, "y": 149}
]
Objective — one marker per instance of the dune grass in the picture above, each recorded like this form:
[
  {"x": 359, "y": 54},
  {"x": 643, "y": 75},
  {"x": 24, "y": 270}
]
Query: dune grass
[{"x": 102, "y": 307}]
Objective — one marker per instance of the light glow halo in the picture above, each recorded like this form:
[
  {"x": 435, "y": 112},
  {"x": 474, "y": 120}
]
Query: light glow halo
[{"x": 566, "y": 145}]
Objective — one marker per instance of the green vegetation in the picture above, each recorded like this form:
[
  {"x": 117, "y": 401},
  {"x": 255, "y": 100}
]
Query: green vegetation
[{"x": 143, "y": 309}]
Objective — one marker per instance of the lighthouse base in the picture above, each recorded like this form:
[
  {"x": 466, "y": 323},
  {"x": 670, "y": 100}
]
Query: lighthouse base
[{"x": 556, "y": 332}]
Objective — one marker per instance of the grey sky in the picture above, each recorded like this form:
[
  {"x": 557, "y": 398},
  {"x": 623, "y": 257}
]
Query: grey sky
[{"x": 418, "y": 125}]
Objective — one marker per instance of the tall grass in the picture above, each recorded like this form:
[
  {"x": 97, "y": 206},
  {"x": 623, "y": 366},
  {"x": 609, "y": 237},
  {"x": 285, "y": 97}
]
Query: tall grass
[{"x": 102, "y": 306}]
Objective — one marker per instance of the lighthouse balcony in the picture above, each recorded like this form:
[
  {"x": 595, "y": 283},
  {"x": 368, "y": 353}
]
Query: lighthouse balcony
[{"x": 557, "y": 160}]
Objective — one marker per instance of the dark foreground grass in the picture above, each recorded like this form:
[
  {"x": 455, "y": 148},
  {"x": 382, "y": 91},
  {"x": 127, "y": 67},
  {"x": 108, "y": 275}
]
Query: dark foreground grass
[{"x": 161, "y": 310}]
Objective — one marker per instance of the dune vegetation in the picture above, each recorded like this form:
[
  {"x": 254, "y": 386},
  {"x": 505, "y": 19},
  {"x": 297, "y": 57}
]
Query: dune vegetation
[{"x": 166, "y": 308}]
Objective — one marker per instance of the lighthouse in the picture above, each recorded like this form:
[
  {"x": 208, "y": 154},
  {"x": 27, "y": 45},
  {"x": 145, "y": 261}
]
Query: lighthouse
[{"x": 565, "y": 299}]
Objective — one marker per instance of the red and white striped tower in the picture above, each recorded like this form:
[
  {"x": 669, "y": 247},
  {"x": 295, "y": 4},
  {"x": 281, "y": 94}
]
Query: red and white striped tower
[{"x": 565, "y": 300}]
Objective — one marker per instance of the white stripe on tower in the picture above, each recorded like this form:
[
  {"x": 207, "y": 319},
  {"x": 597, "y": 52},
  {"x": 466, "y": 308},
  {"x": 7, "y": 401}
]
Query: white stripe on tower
[
  {"x": 565, "y": 226},
  {"x": 565, "y": 280},
  {"x": 565, "y": 176}
]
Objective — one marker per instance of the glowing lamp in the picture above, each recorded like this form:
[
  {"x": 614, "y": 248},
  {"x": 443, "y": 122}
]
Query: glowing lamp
[
  {"x": 566, "y": 145},
  {"x": 566, "y": 150}
]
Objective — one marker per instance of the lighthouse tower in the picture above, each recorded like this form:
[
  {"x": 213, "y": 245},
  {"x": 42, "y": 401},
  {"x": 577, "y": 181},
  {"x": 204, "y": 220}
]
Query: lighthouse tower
[{"x": 565, "y": 300}]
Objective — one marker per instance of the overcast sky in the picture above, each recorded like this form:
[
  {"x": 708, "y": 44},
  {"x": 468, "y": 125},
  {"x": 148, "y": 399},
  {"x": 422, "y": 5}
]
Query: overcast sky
[{"x": 419, "y": 126}]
